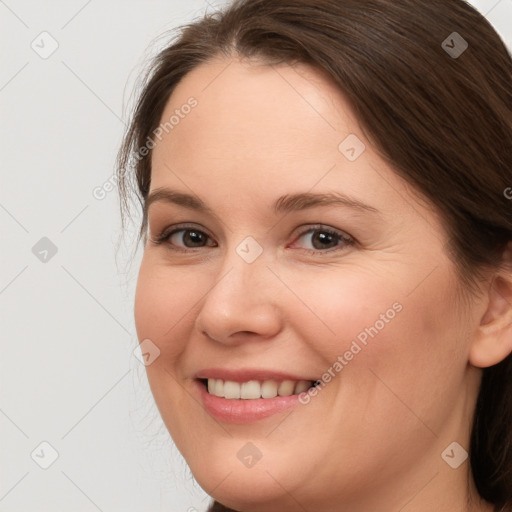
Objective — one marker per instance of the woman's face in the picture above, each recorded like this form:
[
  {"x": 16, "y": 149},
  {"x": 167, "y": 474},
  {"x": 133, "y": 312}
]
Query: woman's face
[{"x": 298, "y": 254}]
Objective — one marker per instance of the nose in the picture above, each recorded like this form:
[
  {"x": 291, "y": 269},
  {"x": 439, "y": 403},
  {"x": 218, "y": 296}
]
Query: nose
[{"x": 242, "y": 304}]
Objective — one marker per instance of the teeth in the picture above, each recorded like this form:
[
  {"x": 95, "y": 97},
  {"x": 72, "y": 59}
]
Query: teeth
[
  {"x": 254, "y": 389},
  {"x": 286, "y": 388},
  {"x": 302, "y": 386},
  {"x": 218, "y": 390},
  {"x": 231, "y": 389},
  {"x": 251, "y": 389},
  {"x": 269, "y": 389}
]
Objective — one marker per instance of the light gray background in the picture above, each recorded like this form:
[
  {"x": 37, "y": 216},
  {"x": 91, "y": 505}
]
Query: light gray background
[{"x": 68, "y": 373}]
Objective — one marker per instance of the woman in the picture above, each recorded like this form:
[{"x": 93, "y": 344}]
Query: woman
[{"x": 327, "y": 262}]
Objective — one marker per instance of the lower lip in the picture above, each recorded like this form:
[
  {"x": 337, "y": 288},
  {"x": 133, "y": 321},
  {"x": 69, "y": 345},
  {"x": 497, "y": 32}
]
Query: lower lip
[{"x": 243, "y": 411}]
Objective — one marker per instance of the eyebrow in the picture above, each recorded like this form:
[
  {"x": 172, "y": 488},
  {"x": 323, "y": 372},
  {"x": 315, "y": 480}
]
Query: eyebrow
[{"x": 284, "y": 204}]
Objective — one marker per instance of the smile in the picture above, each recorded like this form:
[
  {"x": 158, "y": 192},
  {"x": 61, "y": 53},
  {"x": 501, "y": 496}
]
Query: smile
[
  {"x": 253, "y": 389},
  {"x": 247, "y": 395}
]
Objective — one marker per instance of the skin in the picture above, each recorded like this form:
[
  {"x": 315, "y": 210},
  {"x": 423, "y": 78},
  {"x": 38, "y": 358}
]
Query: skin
[{"x": 372, "y": 438}]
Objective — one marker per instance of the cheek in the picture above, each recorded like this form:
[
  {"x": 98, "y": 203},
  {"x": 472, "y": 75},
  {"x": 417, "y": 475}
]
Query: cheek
[
  {"x": 164, "y": 305},
  {"x": 341, "y": 311},
  {"x": 378, "y": 306},
  {"x": 164, "y": 299},
  {"x": 366, "y": 327},
  {"x": 417, "y": 361}
]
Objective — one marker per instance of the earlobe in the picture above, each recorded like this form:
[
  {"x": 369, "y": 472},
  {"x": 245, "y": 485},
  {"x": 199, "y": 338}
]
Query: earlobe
[{"x": 493, "y": 339}]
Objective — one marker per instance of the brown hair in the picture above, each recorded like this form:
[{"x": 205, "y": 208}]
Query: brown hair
[{"x": 443, "y": 121}]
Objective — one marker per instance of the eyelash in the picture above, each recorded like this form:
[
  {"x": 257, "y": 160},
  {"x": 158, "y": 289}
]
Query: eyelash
[{"x": 165, "y": 235}]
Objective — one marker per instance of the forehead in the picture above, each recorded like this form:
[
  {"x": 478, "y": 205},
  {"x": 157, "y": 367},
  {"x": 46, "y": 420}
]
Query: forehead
[{"x": 251, "y": 112}]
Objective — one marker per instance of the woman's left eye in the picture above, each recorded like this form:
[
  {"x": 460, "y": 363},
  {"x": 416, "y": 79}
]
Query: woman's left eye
[{"x": 323, "y": 239}]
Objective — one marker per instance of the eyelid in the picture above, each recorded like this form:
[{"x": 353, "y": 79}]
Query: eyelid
[{"x": 302, "y": 230}]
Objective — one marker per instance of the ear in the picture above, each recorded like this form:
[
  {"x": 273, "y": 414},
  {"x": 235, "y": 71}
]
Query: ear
[{"x": 493, "y": 338}]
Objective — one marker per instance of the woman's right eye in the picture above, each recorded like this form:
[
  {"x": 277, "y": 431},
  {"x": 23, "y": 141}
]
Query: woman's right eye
[{"x": 182, "y": 239}]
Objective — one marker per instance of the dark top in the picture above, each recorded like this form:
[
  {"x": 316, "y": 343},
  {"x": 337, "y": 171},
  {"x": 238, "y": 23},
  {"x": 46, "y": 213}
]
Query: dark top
[{"x": 218, "y": 507}]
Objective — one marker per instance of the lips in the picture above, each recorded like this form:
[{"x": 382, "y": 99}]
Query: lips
[
  {"x": 245, "y": 396},
  {"x": 246, "y": 375}
]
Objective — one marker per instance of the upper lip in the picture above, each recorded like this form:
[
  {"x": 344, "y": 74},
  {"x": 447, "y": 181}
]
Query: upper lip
[{"x": 247, "y": 374}]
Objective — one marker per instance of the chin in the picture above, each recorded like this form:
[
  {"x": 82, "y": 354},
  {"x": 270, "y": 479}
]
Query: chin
[{"x": 261, "y": 487}]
